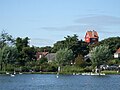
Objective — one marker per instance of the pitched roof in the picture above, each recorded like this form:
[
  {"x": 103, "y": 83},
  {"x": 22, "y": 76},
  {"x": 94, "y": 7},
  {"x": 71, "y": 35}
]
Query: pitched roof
[
  {"x": 118, "y": 51},
  {"x": 51, "y": 56},
  {"x": 92, "y": 34},
  {"x": 42, "y": 53}
]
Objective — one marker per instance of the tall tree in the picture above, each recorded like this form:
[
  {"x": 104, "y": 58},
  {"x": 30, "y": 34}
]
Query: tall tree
[
  {"x": 8, "y": 55},
  {"x": 29, "y": 53},
  {"x": 80, "y": 48},
  {"x": 6, "y": 39},
  {"x": 22, "y": 45},
  {"x": 112, "y": 42},
  {"x": 64, "y": 56},
  {"x": 67, "y": 43},
  {"x": 100, "y": 55}
]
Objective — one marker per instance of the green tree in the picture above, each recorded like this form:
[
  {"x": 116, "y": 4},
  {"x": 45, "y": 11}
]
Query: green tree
[
  {"x": 112, "y": 42},
  {"x": 64, "y": 56},
  {"x": 79, "y": 61},
  {"x": 100, "y": 55},
  {"x": 24, "y": 50},
  {"x": 67, "y": 43},
  {"x": 6, "y": 39},
  {"x": 29, "y": 53},
  {"x": 21, "y": 43},
  {"x": 8, "y": 55},
  {"x": 80, "y": 48},
  {"x": 46, "y": 49}
]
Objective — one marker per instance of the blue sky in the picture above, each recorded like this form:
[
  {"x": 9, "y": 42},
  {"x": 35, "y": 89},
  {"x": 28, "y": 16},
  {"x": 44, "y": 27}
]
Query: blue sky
[{"x": 48, "y": 21}]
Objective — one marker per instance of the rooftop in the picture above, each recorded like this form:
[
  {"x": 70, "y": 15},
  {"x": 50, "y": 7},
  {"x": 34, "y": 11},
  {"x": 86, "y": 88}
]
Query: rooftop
[
  {"x": 118, "y": 50},
  {"x": 92, "y": 34}
]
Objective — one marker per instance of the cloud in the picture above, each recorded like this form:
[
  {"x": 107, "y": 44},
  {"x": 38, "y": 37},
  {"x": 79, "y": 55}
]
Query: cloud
[
  {"x": 105, "y": 26},
  {"x": 71, "y": 28},
  {"x": 89, "y": 22},
  {"x": 99, "y": 20},
  {"x": 41, "y": 42}
]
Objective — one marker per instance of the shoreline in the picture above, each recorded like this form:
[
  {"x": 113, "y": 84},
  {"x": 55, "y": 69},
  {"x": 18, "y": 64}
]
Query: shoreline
[{"x": 64, "y": 73}]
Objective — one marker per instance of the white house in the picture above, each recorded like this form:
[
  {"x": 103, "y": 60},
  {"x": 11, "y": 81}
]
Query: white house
[{"x": 117, "y": 54}]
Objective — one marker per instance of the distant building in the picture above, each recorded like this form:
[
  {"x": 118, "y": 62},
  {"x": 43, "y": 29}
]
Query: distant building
[
  {"x": 51, "y": 57},
  {"x": 91, "y": 37},
  {"x": 41, "y": 54},
  {"x": 117, "y": 54}
]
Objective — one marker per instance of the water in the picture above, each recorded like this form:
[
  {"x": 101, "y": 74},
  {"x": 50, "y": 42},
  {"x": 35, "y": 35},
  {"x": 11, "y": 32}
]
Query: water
[{"x": 63, "y": 82}]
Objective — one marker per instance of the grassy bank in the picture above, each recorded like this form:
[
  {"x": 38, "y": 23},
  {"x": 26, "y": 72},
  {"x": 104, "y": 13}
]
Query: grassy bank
[{"x": 111, "y": 72}]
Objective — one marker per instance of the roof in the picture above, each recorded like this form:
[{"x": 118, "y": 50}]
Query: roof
[
  {"x": 92, "y": 34},
  {"x": 51, "y": 56},
  {"x": 42, "y": 53},
  {"x": 118, "y": 51}
]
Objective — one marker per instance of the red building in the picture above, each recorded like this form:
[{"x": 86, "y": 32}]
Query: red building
[{"x": 91, "y": 37}]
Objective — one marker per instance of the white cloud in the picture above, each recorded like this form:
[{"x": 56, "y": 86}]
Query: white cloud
[
  {"x": 41, "y": 42},
  {"x": 99, "y": 20}
]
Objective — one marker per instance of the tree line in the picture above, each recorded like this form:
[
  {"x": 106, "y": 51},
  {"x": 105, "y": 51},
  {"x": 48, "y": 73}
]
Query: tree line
[{"x": 17, "y": 54}]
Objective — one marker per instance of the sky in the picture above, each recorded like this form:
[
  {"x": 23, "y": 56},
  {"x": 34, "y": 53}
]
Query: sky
[{"x": 48, "y": 21}]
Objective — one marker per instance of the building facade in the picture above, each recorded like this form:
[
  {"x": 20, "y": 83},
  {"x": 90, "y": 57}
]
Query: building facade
[
  {"x": 117, "y": 54},
  {"x": 91, "y": 37}
]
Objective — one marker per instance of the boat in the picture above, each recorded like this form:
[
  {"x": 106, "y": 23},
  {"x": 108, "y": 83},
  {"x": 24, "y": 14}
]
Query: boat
[
  {"x": 7, "y": 73},
  {"x": 12, "y": 75},
  {"x": 73, "y": 73},
  {"x": 20, "y": 73}
]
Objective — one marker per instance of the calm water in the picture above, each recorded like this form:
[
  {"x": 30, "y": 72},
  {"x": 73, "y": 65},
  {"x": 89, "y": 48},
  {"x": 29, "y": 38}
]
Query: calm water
[{"x": 64, "y": 82}]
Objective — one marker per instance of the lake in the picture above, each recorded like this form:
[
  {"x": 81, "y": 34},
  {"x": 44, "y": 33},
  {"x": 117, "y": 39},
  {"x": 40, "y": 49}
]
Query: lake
[{"x": 64, "y": 82}]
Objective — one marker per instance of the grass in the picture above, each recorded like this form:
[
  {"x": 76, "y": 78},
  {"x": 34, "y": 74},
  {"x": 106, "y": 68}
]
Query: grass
[{"x": 111, "y": 72}]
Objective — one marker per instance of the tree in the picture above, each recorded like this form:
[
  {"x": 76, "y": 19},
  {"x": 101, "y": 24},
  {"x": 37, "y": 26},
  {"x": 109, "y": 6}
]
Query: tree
[
  {"x": 26, "y": 53},
  {"x": 6, "y": 39},
  {"x": 21, "y": 43},
  {"x": 79, "y": 61},
  {"x": 67, "y": 43},
  {"x": 46, "y": 49},
  {"x": 112, "y": 42},
  {"x": 80, "y": 48},
  {"x": 29, "y": 53},
  {"x": 100, "y": 55},
  {"x": 8, "y": 55},
  {"x": 64, "y": 56}
]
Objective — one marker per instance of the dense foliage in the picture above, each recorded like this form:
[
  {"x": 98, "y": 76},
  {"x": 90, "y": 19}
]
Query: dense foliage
[
  {"x": 100, "y": 55},
  {"x": 17, "y": 54},
  {"x": 64, "y": 57},
  {"x": 112, "y": 42}
]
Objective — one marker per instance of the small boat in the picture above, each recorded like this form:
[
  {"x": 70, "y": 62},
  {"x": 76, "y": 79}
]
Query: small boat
[
  {"x": 20, "y": 73},
  {"x": 73, "y": 73},
  {"x": 12, "y": 75},
  {"x": 7, "y": 73},
  {"x": 77, "y": 74}
]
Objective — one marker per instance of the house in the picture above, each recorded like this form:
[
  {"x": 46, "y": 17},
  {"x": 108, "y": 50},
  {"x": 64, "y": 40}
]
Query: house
[
  {"x": 91, "y": 37},
  {"x": 41, "y": 54},
  {"x": 117, "y": 54},
  {"x": 51, "y": 57}
]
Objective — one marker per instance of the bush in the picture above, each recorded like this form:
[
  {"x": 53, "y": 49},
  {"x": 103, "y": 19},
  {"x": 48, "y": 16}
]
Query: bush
[
  {"x": 25, "y": 69},
  {"x": 88, "y": 69},
  {"x": 79, "y": 61},
  {"x": 71, "y": 69}
]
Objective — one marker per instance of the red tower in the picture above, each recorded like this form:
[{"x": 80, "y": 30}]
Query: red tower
[{"x": 91, "y": 37}]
